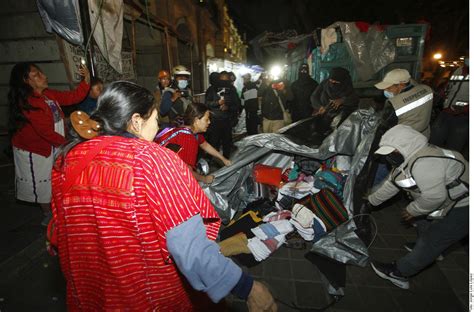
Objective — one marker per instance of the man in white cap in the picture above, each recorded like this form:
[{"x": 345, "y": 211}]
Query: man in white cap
[
  {"x": 438, "y": 182},
  {"x": 412, "y": 102}
]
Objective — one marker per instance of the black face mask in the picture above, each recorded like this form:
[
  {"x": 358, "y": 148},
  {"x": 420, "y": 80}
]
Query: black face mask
[
  {"x": 225, "y": 83},
  {"x": 394, "y": 159},
  {"x": 336, "y": 88}
]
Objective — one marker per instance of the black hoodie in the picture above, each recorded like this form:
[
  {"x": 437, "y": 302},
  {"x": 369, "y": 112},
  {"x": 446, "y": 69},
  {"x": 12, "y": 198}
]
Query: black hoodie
[
  {"x": 220, "y": 88},
  {"x": 302, "y": 89},
  {"x": 328, "y": 91}
]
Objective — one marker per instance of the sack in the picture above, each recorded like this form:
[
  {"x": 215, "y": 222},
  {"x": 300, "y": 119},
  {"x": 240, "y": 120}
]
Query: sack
[
  {"x": 327, "y": 207},
  {"x": 287, "y": 117},
  {"x": 267, "y": 175}
]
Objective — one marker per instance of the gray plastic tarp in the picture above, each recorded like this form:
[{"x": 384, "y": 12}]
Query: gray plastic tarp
[
  {"x": 370, "y": 51},
  {"x": 63, "y": 18},
  {"x": 232, "y": 189}
]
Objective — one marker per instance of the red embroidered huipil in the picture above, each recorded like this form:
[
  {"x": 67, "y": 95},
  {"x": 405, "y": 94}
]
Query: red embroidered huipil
[
  {"x": 188, "y": 141},
  {"x": 112, "y": 223}
]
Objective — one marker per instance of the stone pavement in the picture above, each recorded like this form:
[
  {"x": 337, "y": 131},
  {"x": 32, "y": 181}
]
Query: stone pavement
[
  {"x": 32, "y": 281},
  {"x": 441, "y": 287}
]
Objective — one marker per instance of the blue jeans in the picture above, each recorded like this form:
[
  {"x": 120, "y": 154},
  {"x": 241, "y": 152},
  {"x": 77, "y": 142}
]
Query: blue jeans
[{"x": 437, "y": 237}]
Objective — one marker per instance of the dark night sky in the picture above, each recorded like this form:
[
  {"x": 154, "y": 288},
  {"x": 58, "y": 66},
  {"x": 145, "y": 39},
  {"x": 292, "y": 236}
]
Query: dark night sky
[{"x": 449, "y": 19}]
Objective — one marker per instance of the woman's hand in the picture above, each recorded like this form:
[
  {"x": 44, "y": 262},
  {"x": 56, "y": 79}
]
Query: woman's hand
[
  {"x": 260, "y": 299},
  {"x": 84, "y": 72},
  {"x": 226, "y": 162},
  {"x": 208, "y": 179}
]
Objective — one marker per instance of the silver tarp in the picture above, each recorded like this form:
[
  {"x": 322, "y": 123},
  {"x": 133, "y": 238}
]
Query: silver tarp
[
  {"x": 232, "y": 187},
  {"x": 62, "y": 17},
  {"x": 370, "y": 51}
]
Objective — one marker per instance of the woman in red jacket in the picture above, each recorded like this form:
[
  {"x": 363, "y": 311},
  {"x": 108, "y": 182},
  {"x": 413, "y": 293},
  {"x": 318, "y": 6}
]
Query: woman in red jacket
[
  {"x": 36, "y": 126},
  {"x": 189, "y": 138}
]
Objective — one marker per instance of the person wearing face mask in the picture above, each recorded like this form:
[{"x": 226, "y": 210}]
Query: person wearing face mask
[
  {"x": 175, "y": 101},
  {"x": 335, "y": 96},
  {"x": 408, "y": 103},
  {"x": 438, "y": 183},
  {"x": 188, "y": 139},
  {"x": 302, "y": 89},
  {"x": 223, "y": 102}
]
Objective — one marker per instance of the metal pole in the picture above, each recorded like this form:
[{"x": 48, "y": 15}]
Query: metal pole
[{"x": 86, "y": 31}]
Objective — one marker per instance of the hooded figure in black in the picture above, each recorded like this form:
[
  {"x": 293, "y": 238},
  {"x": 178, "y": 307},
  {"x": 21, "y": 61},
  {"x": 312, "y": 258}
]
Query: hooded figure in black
[
  {"x": 335, "y": 96},
  {"x": 302, "y": 88},
  {"x": 250, "y": 98},
  {"x": 224, "y": 103}
]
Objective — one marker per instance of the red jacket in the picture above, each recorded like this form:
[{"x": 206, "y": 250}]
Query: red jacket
[{"x": 38, "y": 135}]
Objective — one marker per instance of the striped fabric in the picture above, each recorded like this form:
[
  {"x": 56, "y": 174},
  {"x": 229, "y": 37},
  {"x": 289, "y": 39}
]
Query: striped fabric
[
  {"x": 111, "y": 227},
  {"x": 327, "y": 207}
]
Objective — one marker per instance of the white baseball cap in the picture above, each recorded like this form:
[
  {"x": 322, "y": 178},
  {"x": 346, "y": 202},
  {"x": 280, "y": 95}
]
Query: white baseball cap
[
  {"x": 385, "y": 150},
  {"x": 394, "y": 77}
]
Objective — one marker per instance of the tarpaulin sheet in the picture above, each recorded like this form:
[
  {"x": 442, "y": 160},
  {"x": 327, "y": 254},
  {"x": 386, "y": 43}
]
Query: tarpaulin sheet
[
  {"x": 231, "y": 191},
  {"x": 107, "y": 24},
  {"x": 63, "y": 18},
  {"x": 370, "y": 51}
]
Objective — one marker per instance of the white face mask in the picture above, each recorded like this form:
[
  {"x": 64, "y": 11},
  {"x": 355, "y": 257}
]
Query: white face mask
[
  {"x": 388, "y": 94},
  {"x": 182, "y": 84}
]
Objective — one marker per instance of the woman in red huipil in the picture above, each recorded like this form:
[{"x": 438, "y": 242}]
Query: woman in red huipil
[
  {"x": 134, "y": 229},
  {"x": 188, "y": 139},
  {"x": 36, "y": 125}
]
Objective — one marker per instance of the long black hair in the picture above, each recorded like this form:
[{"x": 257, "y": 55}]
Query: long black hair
[
  {"x": 115, "y": 108},
  {"x": 18, "y": 96}
]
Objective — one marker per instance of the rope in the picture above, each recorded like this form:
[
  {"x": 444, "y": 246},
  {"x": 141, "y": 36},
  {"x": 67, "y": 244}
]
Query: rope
[{"x": 95, "y": 25}]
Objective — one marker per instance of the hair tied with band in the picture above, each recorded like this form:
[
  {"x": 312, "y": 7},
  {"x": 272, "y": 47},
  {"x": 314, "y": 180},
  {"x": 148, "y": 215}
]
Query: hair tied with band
[{"x": 86, "y": 127}]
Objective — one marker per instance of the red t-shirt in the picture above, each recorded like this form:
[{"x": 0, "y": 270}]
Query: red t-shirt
[{"x": 187, "y": 140}]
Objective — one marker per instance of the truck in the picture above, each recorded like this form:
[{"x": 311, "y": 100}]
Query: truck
[{"x": 368, "y": 55}]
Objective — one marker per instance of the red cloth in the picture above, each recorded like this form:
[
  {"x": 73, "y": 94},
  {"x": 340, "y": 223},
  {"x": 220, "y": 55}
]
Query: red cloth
[
  {"x": 38, "y": 135},
  {"x": 112, "y": 226},
  {"x": 362, "y": 26},
  {"x": 188, "y": 141}
]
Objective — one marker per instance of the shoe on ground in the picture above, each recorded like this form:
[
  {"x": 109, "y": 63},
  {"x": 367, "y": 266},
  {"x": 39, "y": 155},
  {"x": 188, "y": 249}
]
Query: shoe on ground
[
  {"x": 390, "y": 272},
  {"x": 409, "y": 246}
]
